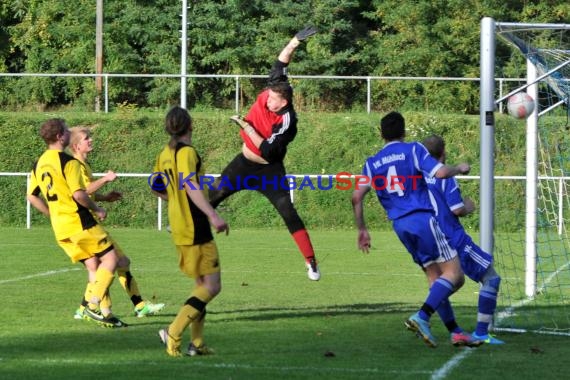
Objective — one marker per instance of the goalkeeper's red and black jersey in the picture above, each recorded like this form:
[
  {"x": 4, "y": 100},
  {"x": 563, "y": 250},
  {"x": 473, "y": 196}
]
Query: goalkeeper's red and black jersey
[
  {"x": 277, "y": 129},
  {"x": 56, "y": 175},
  {"x": 188, "y": 223}
]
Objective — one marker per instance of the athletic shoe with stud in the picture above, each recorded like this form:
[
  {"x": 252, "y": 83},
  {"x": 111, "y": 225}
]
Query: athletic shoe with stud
[
  {"x": 93, "y": 315},
  {"x": 462, "y": 339},
  {"x": 421, "y": 328},
  {"x": 199, "y": 350},
  {"x": 112, "y": 321},
  {"x": 313, "y": 270},
  {"x": 487, "y": 339},
  {"x": 97, "y": 317},
  {"x": 172, "y": 347},
  {"x": 149, "y": 309}
]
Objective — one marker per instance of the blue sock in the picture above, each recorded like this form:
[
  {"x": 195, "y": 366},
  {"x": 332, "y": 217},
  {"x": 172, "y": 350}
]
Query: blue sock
[
  {"x": 486, "y": 309},
  {"x": 447, "y": 316},
  {"x": 440, "y": 290}
]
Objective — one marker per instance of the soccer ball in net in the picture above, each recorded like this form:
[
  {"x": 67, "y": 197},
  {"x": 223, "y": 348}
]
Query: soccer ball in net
[{"x": 520, "y": 105}]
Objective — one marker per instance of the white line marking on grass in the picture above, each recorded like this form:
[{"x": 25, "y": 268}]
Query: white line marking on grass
[
  {"x": 456, "y": 359},
  {"x": 42, "y": 274},
  {"x": 451, "y": 363}
]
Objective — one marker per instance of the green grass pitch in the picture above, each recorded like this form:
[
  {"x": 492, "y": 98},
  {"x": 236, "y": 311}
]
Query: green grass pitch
[{"x": 269, "y": 322}]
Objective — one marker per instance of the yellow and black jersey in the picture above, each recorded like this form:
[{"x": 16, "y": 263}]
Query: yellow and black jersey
[
  {"x": 57, "y": 175},
  {"x": 86, "y": 173},
  {"x": 188, "y": 223}
]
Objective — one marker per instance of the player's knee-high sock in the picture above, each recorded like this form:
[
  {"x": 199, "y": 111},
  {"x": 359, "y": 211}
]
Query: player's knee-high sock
[
  {"x": 105, "y": 305},
  {"x": 86, "y": 295},
  {"x": 190, "y": 312},
  {"x": 304, "y": 243},
  {"x": 440, "y": 290},
  {"x": 445, "y": 311},
  {"x": 487, "y": 305},
  {"x": 103, "y": 280},
  {"x": 130, "y": 285},
  {"x": 197, "y": 329}
]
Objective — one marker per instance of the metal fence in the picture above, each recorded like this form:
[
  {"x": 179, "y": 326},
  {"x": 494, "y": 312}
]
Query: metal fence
[
  {"x": 500, "y": 82},
  {"x": 560, "y": 194}
]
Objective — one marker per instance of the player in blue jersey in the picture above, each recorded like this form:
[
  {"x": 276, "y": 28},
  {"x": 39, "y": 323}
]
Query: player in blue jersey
[
  {"x": 476, "y": 263},
  {"x": 396, "y": 174}
]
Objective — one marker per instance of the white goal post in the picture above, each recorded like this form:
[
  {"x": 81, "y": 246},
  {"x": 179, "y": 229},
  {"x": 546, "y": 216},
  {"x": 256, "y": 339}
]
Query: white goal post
[
  {"x": 540, "y": 303},
  {"x": 487, "y": 130}
]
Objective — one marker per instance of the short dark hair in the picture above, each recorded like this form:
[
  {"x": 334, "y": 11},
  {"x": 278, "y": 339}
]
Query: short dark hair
[
  {"x": 51, "y": 129},
  {"x": 178, "y": 121},
  {"x": 284, "y": 89},
  {"x": 393, "y": 126},
  {"x": 435, "y": 145}
]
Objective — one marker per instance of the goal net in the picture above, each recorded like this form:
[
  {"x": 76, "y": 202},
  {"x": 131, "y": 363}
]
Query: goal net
[{"x": 533, "y": 255}]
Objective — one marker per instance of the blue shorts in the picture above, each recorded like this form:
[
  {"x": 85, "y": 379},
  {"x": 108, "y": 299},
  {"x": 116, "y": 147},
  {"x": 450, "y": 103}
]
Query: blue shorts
[
  {"x": 474, "y": 261},
  {"x": 424, "y": 240}
]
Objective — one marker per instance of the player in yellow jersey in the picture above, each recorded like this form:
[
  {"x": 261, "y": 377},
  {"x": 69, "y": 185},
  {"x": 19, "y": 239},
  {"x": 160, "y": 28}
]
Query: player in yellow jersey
[
  {"x": 176, "y": 178},
  {"x": 57, "y": 177},
  {"x": 81, "y": 144}
]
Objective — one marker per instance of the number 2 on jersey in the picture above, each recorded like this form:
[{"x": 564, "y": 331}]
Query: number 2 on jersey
[{"x": 48, "y": 180}]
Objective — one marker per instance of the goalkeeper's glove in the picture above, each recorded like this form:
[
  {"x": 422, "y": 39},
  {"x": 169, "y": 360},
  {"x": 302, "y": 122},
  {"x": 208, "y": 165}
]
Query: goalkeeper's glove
[{"x": 306, "y": 33}]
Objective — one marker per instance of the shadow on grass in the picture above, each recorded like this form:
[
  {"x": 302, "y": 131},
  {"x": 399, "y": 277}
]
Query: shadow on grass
[{"x": 273, "y": 313}]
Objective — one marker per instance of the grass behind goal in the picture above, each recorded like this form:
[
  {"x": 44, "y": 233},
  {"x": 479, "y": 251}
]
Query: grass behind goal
[{"x": 270, "y": 321}]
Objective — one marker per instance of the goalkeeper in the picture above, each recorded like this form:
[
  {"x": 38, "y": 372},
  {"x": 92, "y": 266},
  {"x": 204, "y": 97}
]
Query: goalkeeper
[
  {"x": 268, "y": 128},
  {"x": 476, "y": 263}
]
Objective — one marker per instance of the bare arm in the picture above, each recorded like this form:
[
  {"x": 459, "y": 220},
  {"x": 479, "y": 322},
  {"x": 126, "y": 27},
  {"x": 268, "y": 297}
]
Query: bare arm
[
  {"x": 92, "y": 187},
  {"x": 287, "y": 52},
  {"x": 39, "y": 204},
  {"x": 256, "y": 139},
  {"x": 468, "y": 208},
  {"x": 111, "y": 196},
  {"x": 447, "y": 171},
  {"x": 197, "y": 196},
  {"x": 358, "y": 209},
  {"x": 83, "y": 199}
]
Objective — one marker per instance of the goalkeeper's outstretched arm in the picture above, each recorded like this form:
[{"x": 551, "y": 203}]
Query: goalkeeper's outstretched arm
[{"x": 287, "y": 52}]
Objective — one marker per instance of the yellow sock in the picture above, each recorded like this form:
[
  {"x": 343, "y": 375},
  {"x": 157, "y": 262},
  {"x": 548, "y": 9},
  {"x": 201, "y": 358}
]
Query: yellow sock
[
  {"x": 130, "y": 285},
  {"x": 188, "y": 313},
  {"x": 103, "y": 280},
  {"x": 87, "y": 294},
  {"x": 106, "y": 304},
  {"x": 197, "y": 330}
]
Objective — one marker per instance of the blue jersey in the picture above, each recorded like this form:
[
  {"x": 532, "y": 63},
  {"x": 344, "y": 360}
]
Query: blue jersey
[
  {"x": 446, "y": 197},
  {"x": 396, "y": 174}
]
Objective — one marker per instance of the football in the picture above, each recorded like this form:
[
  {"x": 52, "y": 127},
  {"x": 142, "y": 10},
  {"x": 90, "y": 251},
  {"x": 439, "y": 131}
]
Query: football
[{"x": 520, "y": 105}]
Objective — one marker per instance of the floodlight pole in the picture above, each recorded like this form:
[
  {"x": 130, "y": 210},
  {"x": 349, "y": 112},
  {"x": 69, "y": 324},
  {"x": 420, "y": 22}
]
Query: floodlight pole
[
  {"x": 183, "y": 54},
  {"x": 487, "y": 132}
]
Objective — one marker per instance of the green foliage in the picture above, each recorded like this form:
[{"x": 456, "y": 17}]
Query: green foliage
[
  {"x": 128, "y": 141},
  {"x": 356, "y": 38}
]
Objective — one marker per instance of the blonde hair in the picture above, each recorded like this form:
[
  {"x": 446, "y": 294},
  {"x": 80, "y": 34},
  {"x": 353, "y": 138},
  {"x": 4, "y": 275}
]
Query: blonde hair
[{"x": 77, "y": 134}]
